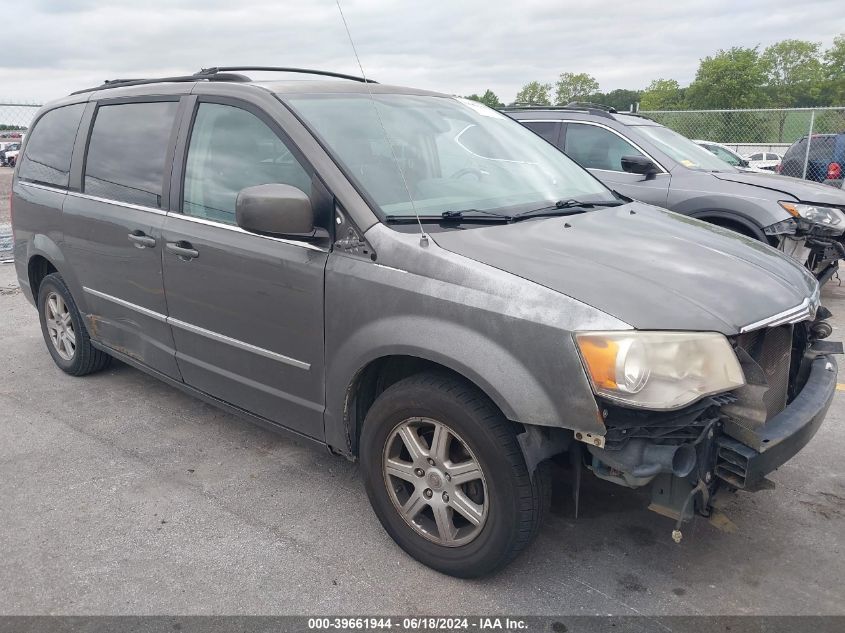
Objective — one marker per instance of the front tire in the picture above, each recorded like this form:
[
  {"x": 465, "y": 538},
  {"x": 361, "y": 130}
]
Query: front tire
[
  {"x": 64, "y": 331},
  {"x": 446, "y": 477}
]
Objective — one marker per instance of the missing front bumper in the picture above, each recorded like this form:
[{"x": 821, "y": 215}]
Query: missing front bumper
[{"x": 745, "y": 464}]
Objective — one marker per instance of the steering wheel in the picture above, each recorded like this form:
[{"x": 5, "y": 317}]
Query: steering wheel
[{"x": 468, "y": 171}]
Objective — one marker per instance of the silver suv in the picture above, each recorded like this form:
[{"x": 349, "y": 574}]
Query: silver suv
[
  {"x": 639, "y": 158},
  {"x": 421, "y": 283}
]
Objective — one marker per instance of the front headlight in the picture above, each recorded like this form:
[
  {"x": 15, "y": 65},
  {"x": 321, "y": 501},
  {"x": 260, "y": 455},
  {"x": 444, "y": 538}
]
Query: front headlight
[
  {"x": 658, "y": 370},
  {"x": 829, "y": 217}
]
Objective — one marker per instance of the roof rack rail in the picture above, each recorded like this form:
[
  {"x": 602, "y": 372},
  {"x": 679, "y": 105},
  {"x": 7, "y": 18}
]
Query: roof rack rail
[
  {"x": 592, "y": 106},
  {"x": 590, "y": 109},
  {"x": 120, "y": 83},
  {"x": 218, "y": 73},
  {"x": 282, "y": 69}
]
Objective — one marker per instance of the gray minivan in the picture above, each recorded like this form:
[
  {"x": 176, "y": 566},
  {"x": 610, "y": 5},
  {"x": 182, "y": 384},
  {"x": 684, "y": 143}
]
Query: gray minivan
[
  {"x": 647, "y": 161},
  {"x": 419, "y": 282}
]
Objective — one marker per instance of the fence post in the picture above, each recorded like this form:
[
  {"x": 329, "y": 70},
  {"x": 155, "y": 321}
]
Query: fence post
[{"x": 809, "y": 140}]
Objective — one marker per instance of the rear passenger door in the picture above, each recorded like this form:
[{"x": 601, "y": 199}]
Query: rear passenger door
[
  {"x": 600, "y": 150},
  {"x": 112, "y": 227},
  {"x": 246, "y": 310}
]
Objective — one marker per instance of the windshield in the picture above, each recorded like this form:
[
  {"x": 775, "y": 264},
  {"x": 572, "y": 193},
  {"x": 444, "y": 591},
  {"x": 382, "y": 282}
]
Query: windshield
[
  {"x": 682, "y": 149},
  {"x": 455, "y": 155}
]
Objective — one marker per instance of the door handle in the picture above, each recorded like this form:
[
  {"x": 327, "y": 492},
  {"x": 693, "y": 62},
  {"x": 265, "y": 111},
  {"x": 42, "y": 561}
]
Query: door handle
[
  {"x": 183, "y": 249},
  {"x": 141, "y": 240}
]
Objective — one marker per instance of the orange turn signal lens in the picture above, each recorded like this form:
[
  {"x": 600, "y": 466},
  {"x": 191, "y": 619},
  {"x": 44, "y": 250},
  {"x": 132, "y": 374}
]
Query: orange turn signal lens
[{"x": 600, "y": 357}]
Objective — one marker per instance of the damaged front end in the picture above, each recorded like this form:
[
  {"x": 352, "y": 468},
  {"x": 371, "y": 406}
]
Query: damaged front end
[
  {"x": 814, "y": 235},
  {"x": 730, "y": 440}
]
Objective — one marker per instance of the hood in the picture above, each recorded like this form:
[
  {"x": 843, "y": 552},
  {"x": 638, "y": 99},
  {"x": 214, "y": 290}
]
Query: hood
[
  {"x": 649, "y": 267},
  {"x": 801, "y": 190}
]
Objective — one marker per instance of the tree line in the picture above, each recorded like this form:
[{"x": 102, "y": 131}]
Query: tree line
[{"x": 791, "y": 73}]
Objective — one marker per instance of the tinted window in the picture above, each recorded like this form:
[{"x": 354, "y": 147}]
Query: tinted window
[
  {"x": 50, "y": 145},
  {"x": 231, "y": 149},
  {"x": 821, "y": 147},
  {"x": 594, "y": 147},
  {"x": 127, "y": 151},
  {"x": 756, "y": 157},
  {"x": 549, "y": 130}
]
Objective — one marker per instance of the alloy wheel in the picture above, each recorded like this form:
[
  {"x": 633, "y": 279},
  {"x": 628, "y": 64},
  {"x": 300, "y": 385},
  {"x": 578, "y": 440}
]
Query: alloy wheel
[
  {"x": 60, "y": 326},
  {"x": 435, "y": 482}
]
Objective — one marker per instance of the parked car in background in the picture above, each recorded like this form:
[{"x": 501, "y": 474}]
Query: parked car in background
[
  {"x": 825, "y": 160},
  {"x": 728, "y": 155},
  {"x": 650, "y": 162},
  {"x": 767, "y": 161},
  {"x": 10, "y": 157},
  {"x": 10, "y": 148},
  {"x": 342, "y": 262}
]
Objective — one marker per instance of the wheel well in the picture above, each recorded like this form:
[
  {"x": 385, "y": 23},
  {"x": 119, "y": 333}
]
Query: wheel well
[
  {"x": 39, "y": 267},
  {"x": 377, "y": 376},
  {"x": 734, "y": 225}
]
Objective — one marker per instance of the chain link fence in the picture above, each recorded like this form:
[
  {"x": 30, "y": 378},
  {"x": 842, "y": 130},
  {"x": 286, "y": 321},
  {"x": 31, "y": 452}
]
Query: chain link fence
[
  {"x": 813, "y": 139},
  {"x": 16, "y": 117}
]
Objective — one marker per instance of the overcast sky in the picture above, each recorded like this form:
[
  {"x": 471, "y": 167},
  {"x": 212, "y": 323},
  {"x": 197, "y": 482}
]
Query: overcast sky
[{"x": 460, "y": 47}]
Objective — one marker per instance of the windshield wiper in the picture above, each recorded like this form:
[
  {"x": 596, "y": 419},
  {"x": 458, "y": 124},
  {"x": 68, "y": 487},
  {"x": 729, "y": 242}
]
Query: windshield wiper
[
  {"x": 466, "y": 215},
  {"x": 566, "y": 207}
]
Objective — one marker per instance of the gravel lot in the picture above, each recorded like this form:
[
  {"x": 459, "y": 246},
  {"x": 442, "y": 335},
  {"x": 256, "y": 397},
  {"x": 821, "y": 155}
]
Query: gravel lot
[{"x": 121, "y": 495}]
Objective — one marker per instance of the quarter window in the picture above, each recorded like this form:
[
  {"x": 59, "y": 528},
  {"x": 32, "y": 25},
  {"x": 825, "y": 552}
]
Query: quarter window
[
  {"x": 549, "y": 130},
  {"x": 127, "y": 152},
  {"x": 594, "y": 147},
  {"x": 50, "y": 146},
  {"x": 231, "y": 149}
]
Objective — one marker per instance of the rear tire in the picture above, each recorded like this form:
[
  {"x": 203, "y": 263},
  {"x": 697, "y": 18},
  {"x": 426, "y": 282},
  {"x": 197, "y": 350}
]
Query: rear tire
[
  {"x": 450, "y": 517},
  {"x": 64, "y": 331}
]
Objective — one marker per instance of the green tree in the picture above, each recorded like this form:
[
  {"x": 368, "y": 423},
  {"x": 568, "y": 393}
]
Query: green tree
[
  {"x": 574, "y": 86},
  {"x": 662, "y": 94},
  {"x": 535, "y": 93},
  {"x": 620, "y": 98},
  {"x": 833, "y": 89},
  {"x": 793, "y": 73},
  {"x": 732, "y": 78},
  {"x": 489, "y": 98}
]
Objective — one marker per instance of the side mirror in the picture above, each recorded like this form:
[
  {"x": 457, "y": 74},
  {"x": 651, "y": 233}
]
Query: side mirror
[
  {"x": 639, "y": 165},
  {"x": 274, "y": 210},
  {"x": 744, "y": 163}
]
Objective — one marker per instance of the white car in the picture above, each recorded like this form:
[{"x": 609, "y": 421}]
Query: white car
[
  {"x": 764, "y": 160},
  {"x": 728, "y": 155}
]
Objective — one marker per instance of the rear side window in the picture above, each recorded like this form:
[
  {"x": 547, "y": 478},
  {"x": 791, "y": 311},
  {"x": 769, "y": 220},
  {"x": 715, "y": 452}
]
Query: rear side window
[
  {"x": 127, "y": 151},
  {"x": 50, "y": 145}
]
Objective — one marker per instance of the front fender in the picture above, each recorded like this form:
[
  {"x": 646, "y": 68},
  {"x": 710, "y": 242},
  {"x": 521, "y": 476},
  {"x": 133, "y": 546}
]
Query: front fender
[
  {"x": 503, "y": 377},
  {"x": 509, "y": 336}
]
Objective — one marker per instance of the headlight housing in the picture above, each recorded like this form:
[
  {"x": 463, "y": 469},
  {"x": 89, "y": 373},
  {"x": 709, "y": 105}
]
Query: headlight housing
[
  {"x": 658, "y": 370},
  {"x": 828, "y": 217}
]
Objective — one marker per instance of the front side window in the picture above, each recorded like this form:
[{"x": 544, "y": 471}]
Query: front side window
[
  {"x": 231, "y": 149},
  {"x": 594, "y": 147},
  {"x": 127, "y": 152},
  {"x": 756, "y": 157},
  {"x": 436, "y": 154},
  {"x": 50, "y": 146}
]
